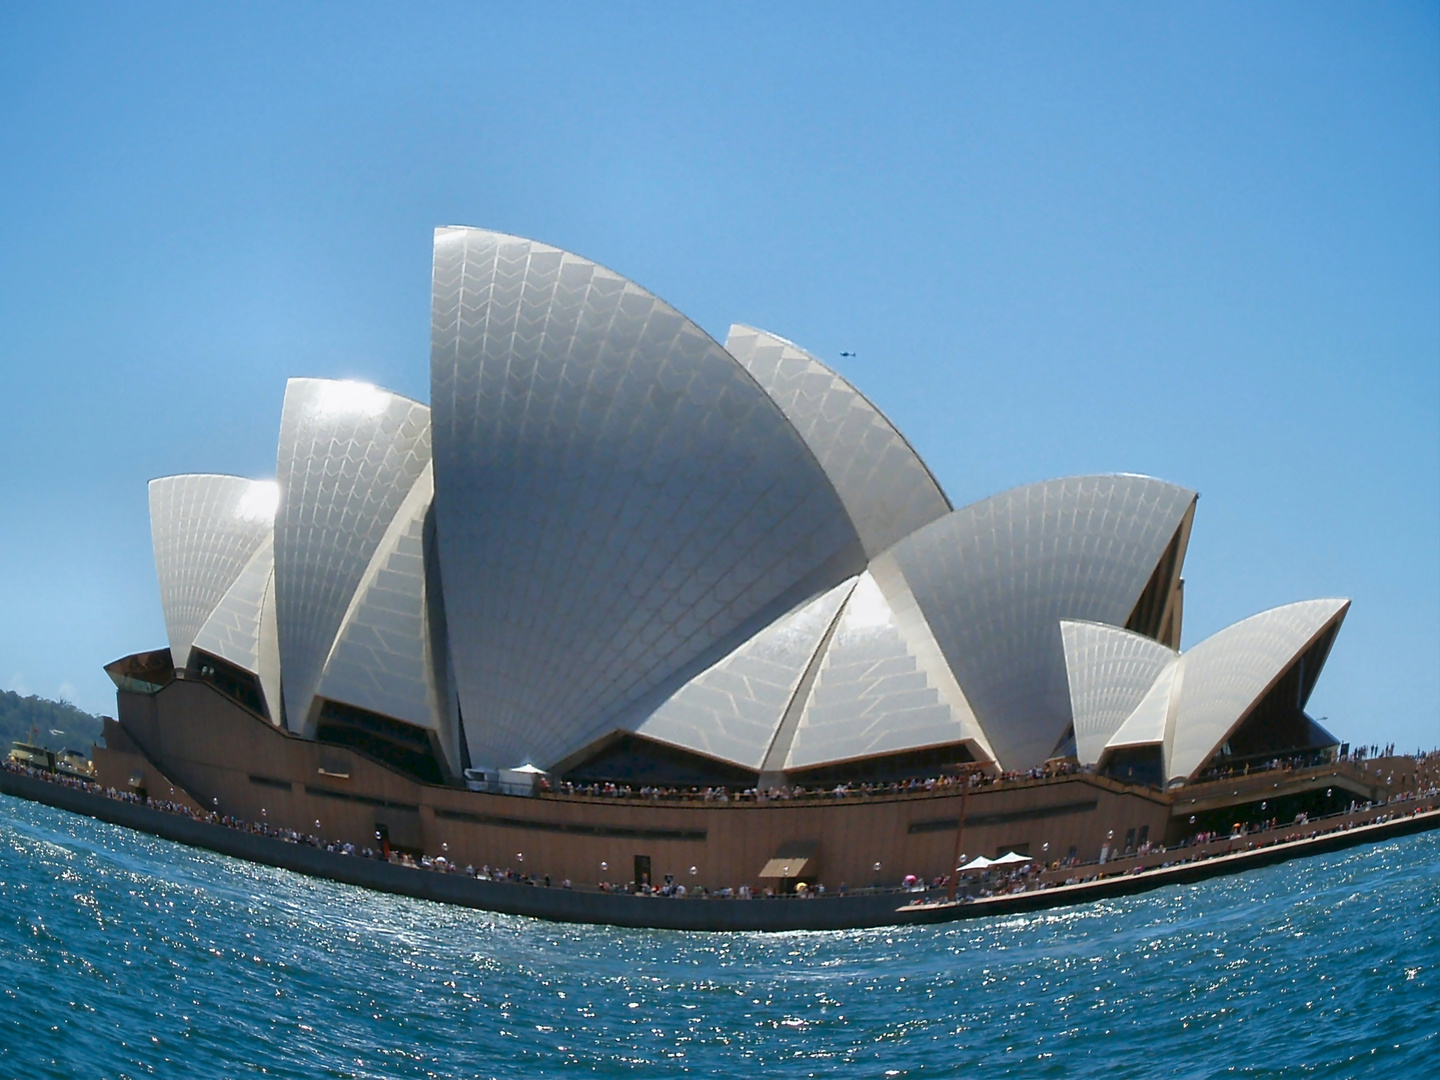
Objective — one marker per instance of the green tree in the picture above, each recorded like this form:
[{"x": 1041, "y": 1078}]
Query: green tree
[{"x": 60, "y": 723}]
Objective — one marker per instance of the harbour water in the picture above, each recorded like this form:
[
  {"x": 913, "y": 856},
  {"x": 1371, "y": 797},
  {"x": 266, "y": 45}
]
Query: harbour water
[{"x": 122, "y": 955}]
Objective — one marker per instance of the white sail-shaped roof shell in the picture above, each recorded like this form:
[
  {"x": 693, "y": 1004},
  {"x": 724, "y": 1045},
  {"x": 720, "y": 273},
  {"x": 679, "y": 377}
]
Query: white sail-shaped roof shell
[
  {"x": 886, "y": 488},
  {"x": 1227, "y": 674},
  {"x": 1153, "y": 718},
  {"x": 882, "y": 685},
  {"x": 619, "y": 503},
  {"x": 349, "y": 455},
  {"x": 995, "y": 578},
  {"x": 206, "y": 528},
  {"x": 1109, "y": 670},
  {"x": 382, "y": 658},
  {"x": 626, "y": 528},
  {"x": 241, "y": 629},
  {"x": 734, "y": 710}
]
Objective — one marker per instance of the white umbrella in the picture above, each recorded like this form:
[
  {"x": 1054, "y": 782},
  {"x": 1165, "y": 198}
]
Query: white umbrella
[
  {"x": 980, "y": 862},
  {"x": 1010, "y": 857}
]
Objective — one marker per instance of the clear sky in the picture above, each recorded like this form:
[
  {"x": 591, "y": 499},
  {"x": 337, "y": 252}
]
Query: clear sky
[{"x": 1196, "y": 241}]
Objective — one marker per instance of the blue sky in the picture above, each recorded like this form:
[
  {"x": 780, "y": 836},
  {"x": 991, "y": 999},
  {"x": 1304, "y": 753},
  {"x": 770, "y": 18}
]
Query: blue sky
[{"x": 1195, "y": 241}]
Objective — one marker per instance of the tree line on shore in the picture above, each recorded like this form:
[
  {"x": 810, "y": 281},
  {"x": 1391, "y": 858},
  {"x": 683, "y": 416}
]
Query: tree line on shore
[{"x": 60, "y": 724}]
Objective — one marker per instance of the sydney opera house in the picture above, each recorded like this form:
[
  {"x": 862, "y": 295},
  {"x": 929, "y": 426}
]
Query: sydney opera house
[{"x": 622, "y": 594}]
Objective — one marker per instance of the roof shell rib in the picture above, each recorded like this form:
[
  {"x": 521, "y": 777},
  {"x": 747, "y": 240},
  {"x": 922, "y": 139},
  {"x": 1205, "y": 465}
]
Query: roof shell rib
[
  {"x": 1227, "y": 674},
  {"x": 242, "y": 630},
  {"x": 382, "y": 658},
  {"x": 1152, "y": 720},
  {"x": 1110, "y": 670},
  {"x": 619, "y": 503},
  {"x": 886, "y": 488},
  {"x": 882, "y": 687},
  {"x": 349, "y": 455},
  {"x": 995, "y": 578},
  {"x": 206, "y": 528},
  {"x": 733, "y": 711}
]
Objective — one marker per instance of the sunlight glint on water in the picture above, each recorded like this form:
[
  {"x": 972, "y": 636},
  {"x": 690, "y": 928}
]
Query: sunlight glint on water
[{"x": 129, "y": 956}]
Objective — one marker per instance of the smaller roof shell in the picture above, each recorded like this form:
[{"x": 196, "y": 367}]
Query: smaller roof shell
[
  {"x": 1109, "y": 670},
  {"x": 995, "y": 578},
  {"x": 1152, "y": 719},
  {"x": 1199, "y": 699},
  {"x": 883, "y": 686},
  {"x": 206, "y": 528},
  {"x": 233, "y": 630},
  {"x": 382, "y": 658},
  {"x": 887, "y": 489},
  {"x": 1227, "y": 674}
]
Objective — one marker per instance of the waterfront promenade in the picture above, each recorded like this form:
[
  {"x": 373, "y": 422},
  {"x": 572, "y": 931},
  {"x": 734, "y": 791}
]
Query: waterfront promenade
[{"x": 1412, "y": 813}]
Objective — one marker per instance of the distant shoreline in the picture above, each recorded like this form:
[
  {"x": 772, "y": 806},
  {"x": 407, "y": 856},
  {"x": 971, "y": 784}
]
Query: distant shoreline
[{"x": 855, "y": 911}]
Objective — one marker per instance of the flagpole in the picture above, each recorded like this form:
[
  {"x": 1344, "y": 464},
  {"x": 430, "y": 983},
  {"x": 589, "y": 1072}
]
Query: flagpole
[{"x": 959, "y": 835}]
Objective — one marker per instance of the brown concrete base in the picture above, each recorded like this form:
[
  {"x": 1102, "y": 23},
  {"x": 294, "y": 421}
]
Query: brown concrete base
[
  {"x": 617, "y": 909},
  {"x": 191, "y": 743}
]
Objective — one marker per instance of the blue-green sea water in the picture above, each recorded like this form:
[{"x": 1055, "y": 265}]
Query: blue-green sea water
[{"x": 127, "y": 956}]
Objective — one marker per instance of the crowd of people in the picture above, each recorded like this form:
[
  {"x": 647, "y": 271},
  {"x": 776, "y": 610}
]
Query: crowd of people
[
  {"x": 992, "y": 881},
  {"x": 1362, "y": 756},
  {"x": 942, "y": 782}
]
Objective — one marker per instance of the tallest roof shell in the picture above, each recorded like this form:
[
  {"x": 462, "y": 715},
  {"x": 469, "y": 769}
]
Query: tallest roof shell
[{"x": 618, "y": 502}]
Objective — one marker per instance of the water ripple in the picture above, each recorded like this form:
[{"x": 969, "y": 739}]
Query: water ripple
[{"x": 127, "y": 956}]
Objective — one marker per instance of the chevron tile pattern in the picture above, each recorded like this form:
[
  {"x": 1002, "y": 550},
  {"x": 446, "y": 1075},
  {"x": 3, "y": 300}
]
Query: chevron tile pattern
[
  {"x": 232, "y": 632},
  {"x": 995, "y": 578},
  {"x": 886, "y": 488},
  {"x": 381, "y": 660},
  {"x": 205, "y": 529},
  {"x": 621, "y": 504},
  {"x": 1109, "y": 671},
  {"x": 349, "y": 454},
  {"x": 872, "y": 694},
  {"x": 733, "y": 710}
]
